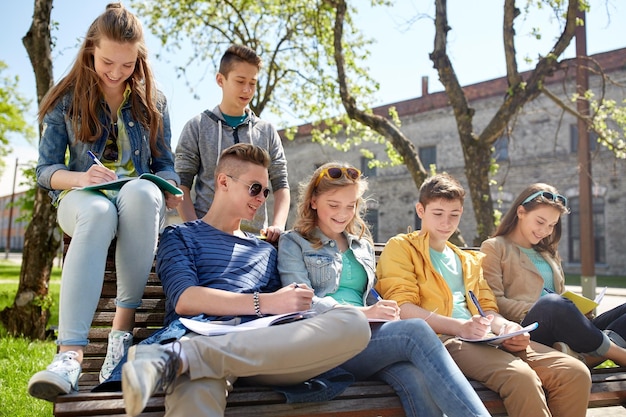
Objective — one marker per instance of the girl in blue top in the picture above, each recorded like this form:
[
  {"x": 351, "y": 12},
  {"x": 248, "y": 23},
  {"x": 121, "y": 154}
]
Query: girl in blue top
[
  {"x": 107, "y": 105},
  {"x": 330, "y": 250}
]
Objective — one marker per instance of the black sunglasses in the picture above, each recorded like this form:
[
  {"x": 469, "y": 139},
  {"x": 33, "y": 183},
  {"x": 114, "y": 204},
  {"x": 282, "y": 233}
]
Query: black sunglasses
[
  {"x": 111, "y": 150},
  {"x": 254, "y": 189},
  {"x": 335, "y": 173},
  {"x": 548, "y": 195}
]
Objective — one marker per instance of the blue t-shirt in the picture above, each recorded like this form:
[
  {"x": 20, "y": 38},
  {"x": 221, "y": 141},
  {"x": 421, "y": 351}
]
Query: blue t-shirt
[{"x": 197, "y": 254}]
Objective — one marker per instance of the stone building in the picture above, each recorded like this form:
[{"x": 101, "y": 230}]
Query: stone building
[{"x": 542, "y": 147}]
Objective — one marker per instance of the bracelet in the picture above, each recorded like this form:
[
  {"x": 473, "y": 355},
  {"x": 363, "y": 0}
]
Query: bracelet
[
  {"x": 431, "y": 314},
  {"x": 257, "y": 304}
]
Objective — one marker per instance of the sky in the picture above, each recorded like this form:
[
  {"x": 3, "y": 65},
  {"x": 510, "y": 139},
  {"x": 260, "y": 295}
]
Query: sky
[{"x": 399, "y": 59}]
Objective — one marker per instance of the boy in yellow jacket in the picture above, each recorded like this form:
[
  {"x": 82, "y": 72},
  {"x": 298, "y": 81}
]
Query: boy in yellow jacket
[{"x": 431, "y": 279}]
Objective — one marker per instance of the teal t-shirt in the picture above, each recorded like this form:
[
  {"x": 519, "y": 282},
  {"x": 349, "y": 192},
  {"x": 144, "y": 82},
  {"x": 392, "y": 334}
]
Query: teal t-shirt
[
  {"x": 544, "y": 268},
  {"x": 448, "y": 264},
  {"x": 353, "y": 281},
  {"x": 234, "y": 121}
]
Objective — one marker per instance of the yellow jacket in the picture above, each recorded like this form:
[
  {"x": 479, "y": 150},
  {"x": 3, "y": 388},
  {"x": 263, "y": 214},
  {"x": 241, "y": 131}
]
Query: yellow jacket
[{"x": 406, "y": 274}]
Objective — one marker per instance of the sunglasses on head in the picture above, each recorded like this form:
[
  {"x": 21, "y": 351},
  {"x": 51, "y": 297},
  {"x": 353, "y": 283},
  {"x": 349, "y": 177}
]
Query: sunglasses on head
[
  {"x": 111, "y": 150},
  {"x": 548, "y": 195},
  {"x": 254, "y": 189},
  {"x": 334, "y": 173}
]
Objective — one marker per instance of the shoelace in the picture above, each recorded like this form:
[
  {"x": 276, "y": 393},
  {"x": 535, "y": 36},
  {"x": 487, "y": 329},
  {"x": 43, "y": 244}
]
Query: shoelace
[
  {"x": 170, "y": 368},
  {"x": 117, "y": 347},
  {"x": 64, "y": 361}
]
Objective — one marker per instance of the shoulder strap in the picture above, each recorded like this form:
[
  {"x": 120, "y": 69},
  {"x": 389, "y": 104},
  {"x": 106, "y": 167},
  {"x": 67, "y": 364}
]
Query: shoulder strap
[{"x": 212, "y": 115}]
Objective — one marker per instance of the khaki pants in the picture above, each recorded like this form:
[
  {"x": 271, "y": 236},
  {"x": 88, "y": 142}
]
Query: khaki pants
[
  {"x": 539, "y": 381},
  {"x": 279, "y": 355}
]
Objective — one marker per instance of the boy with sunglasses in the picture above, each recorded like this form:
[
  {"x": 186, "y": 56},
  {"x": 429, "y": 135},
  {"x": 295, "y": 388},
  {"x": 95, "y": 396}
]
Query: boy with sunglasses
[
  {"x": 231, "y": 122},
  {"x": 430, "y": 278},
  {"x": 212, "y": 270}
]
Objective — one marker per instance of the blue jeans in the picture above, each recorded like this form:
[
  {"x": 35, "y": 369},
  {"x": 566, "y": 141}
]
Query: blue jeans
[
  {"x": 408, "y": 355},
  {"x": 92, "y": 220},
  {"x": 561, "y": 321}
]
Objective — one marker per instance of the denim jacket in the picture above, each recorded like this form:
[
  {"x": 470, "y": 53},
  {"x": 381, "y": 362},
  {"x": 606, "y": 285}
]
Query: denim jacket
[
  {"x": 58, "y": 135},
  {"x": 321, "y": 268}
]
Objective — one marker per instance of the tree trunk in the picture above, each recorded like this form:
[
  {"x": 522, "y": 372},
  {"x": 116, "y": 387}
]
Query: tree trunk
[
  {"x": 477, "y": 147},
  {"x": 28, "y": 316}
]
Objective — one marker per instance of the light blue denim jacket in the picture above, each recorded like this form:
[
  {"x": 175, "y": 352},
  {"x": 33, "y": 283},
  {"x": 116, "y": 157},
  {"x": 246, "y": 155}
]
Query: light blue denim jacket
[
  {"x": 321, "y": 268},
  {"x": 58, "y": 135}
]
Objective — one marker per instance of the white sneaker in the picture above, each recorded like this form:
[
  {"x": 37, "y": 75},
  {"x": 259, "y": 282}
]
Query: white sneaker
[
  {"x": 564, "y": 347},
  {"x": 119, "y": 343},
  {"x": 60, "y": 377},
  {"x": 149, "y": 368}
]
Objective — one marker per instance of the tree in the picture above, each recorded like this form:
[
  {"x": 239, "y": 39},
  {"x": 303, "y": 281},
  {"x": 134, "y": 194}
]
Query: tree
[
  {"x": 304, "y": 41},
  {"x": 28, "y": 316},
  {"x": 13, "y": 106}
]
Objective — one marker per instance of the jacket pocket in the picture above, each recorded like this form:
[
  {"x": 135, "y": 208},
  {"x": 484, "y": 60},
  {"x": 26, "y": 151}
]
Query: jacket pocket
[{"x": 320, "y": 268}]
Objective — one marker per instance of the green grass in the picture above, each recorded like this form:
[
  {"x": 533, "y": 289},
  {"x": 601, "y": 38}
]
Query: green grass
[
  {"x": 21, "y": 358},
  {"x": 601, "y": 281}
]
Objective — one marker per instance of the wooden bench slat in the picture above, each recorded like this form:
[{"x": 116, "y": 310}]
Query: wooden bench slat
[{"x": 362, "y": 399}]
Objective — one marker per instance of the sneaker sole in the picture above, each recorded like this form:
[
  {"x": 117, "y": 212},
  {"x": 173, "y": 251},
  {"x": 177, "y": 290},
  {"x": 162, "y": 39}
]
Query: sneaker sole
[
  {"x": 130, "y": 392},
  {"x": 48, "y": 386}
]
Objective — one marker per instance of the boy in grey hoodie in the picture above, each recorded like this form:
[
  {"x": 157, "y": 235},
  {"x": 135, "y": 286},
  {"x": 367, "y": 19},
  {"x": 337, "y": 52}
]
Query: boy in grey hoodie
[{"x": 205, "y": 136}]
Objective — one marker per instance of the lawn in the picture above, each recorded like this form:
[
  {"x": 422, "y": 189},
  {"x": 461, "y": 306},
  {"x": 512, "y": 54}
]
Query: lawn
[{"x": 21, "y": 358}]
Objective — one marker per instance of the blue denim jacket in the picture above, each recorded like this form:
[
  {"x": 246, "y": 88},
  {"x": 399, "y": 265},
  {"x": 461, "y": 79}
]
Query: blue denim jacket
[
  {"x": 321, "y": 268},
  {"x": 58, "y": 135}
]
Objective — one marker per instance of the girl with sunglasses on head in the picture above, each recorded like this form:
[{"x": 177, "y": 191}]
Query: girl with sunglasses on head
[
  {"x": 523, "y": 267},
  {"x": 330, "y": 250},
  {"x": 108, "y": 117}
]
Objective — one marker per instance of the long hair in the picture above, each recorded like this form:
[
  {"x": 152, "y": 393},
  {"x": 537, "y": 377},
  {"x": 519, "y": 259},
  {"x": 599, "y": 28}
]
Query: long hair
[
  {"x": 510, "y": 220},
  {"x": 116, "y": 24},
  {"x": 306, "y": 221}
]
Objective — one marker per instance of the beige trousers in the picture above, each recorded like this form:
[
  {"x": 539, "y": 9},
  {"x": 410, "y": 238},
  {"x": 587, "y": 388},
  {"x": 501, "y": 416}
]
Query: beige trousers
[
  {"x": 539, "y": 381},
  {"x": 279, "y": 355}
]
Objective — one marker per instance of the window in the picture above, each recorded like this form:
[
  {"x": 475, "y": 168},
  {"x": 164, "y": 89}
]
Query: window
[
  {"x": 371, "y": 219},
  {"x": 501, "y": 149},
  {"x": 574, "y": 245},
  {"x": 428, "y": 156},
  {"x": 365, "y": 169},
  {"x": 593, "y": 139}
]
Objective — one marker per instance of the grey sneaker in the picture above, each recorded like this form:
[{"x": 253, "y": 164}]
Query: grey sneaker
[
  {"x": 149, "y": 368},
  {"x": 60, "y": 377},
  {"x": 119, "y": 343}
]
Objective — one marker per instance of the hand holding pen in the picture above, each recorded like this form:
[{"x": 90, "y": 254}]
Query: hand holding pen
[
  {"x": 98, "y": 173},
  {"x": 477, "y": 327},
  {"x": 383, "y": 309}
]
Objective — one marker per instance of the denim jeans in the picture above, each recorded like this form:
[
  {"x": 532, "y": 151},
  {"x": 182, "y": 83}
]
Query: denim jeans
[
  {"x": 92, "y": 220},
  {"x": 561, "y": 321},
  {"x": 408, "y": 355}
]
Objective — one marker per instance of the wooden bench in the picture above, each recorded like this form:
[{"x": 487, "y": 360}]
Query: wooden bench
[{"x": 363, "y": 399}]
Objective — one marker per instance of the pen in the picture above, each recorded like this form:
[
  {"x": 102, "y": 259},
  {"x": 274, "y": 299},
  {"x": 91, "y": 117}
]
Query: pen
[
  {"x": 475, "y": 301},
  {"x": 548, "y": 290},
  {"x": 375, "y": 294},
  {"x": 95, "y": 158}
]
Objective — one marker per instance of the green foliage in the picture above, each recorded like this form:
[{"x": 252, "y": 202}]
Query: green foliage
[
  {"x": 13, "y": 106},
  {"x": 608, "y": 121},
  {"x": 295, "y": 40}
]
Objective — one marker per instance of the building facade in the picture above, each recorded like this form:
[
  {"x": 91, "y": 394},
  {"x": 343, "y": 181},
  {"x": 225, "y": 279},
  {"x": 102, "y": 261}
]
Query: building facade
[
  {"x": 12, "y": 228},
  {"x": 541, "y": 147}
]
